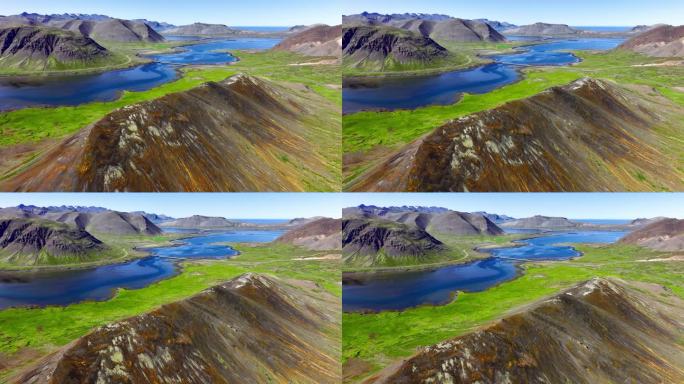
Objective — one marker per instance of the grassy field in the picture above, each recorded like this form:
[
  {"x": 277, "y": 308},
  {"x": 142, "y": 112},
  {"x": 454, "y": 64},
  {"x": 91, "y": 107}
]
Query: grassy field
[
  {"x": 379, "y": 339},
  {"x": 32, "y": 125},
  {"x": 367, "y": 131},
  {"x": 45, "y": 329}
]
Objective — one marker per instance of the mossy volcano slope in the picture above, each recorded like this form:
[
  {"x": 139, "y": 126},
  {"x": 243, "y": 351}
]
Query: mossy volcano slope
[
  {"x": 241, "y": 134},
  {"x": 253, "y": 328},
  {"x": 591, "y": 135},
  {"x": 603, "y": 330}
]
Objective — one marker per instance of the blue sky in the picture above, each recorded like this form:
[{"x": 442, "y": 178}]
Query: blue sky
[
  {"x": 572, "y": 12},
  {"x": 230, "y": 205},
  {"x": 571, "y": 205},
  {"x": 236, "y": 13}
]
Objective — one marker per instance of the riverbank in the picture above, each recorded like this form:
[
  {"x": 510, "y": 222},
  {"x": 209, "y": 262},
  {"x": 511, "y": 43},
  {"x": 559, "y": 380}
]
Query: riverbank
[{"x": 374, "y": 341}]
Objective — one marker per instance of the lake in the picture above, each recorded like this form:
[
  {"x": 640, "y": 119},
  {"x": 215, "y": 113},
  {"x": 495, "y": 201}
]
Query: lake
[
  {"x": 411, "y": 92},
  {"x": 41, "y": 288},
  {"x": 398, "y": 291}
]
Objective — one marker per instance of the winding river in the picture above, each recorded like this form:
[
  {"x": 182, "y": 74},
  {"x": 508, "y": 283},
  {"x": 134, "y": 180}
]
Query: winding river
[
  {"x": 394, "y": 92},
  {"x": 398, "y": 291},
  {"x": 23, "y": 92},
  {"x": 65, "y": 287}
]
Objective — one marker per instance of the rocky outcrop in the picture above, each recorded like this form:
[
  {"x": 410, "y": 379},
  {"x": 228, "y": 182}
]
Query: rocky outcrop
[
  {"x": 241, "y": 134},
  {"x": 590, "y": 135},
  {"x": 39, "y": 242},
  {"x": 661, "y": 41},
  {"x": 601, "y": 331},
  {"x": 318, "y": 235},
  {"x": 319, "y": 40},
  {"x": 252, "y": 329},
  {"x": 373, "y": 242},
  {"x": 542, "y": 29},
  {"x": 385, "y": 48},
  {"x": 662, "y": 235},
  {"x": 42, "y": 48}
]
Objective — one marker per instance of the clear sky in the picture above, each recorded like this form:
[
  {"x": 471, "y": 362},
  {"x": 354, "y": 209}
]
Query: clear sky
[
  {"x": 230, "y": 205},
  {"x": 231, "y": 12},
  {"x": 572, "y": 12},
  {"x": 570, "y": 205}
]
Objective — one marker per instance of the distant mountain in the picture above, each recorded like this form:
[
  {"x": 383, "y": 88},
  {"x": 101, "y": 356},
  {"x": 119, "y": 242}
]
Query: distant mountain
[
  {"x": 198, "y": 221},
  {"x": 542, "y": 29},
  {"x": 41, "y": 49},
  {"x": 662, "y": 235},
  {"x": 251, "y": 329},
  {"x": 378, "y": 18},
  {"x": 377, "y": 242},
  {"x": 539, "y": 221},
  {"x": 321, "y": 234},
  {"x": 155, "y": 218},
  {"x": 662, "y": 41},
  {"x": 43, "y": 242},
  {"x": 156, "y": 25},
  {"x": 495, "y": 218},
  {"x": 498, "y": 25},
  {"x": 202, "y": 29},
  {"x": 320, "y": 40},
  {"x": 601, "y": 330},
  {"x": 388, "y": 48}
]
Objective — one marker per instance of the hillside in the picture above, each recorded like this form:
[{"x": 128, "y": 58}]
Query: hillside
[
  {"x": 600, "y": 331},
  {"x": 44, "y": 49},
  {"x": 375, "y": 242},
  {"x": 319, "y": 40},
  {"x": 590, "y": 135},
  {"x": 386, "y": 49},
  {"x": 116, "y": 30},
  {"x": 211, "y": 338},
  {"x": 542, "y": 29},
  {"x": 661, "y": 41},
  {"x": 540, "y": 222},
  {"x": 201, "y": 29},
  {"x": 662, "y": 235},
  {"x": 240, "y": 134},
  {"x": 198, "y": 221},
  {"x": 39, "y": 242},
  {"x": 318, "y": 235},
  {"x": 465, "y": 31}
]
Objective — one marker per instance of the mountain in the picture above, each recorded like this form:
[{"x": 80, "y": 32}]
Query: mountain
[
  {"x": 378, "y": 18},
  {"x": 542, "y": 29},
  {"x": 662, "y": 41},
  {"x": 39, "y": 48},
  {"x": 240, "y": 134},
  {"x": 590, "y": 135},
  {"x": 320, "y": 40},
  {"x": 155, "y": 218},
  {"x": 374, "y": 242},
  {"x": 201, "y": 29},
  {"x": 600, "y": 331},
  {"x": 252, "y": 329},
  {"x": 318, "y": 235},
  {"x": 116, "y": 30},
  {"x": 662, "y": 235},
  {"x": 386, "y": 48},
  {"x": 500, "y": 26},
  {"x": 464, "y": 31},
  {"x": 40, "y": 242},
  {"x": 156, "y": 25},
  {"x": 198, "y": 221},
  {"x": 495, "y": 217},
  {"x": 539, "y": 221}
]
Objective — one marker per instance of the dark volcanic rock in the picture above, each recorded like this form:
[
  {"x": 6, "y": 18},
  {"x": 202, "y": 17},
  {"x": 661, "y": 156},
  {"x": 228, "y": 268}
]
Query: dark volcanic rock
[
  {"x": 378, "y": 241},
  {"x": 252, "y": 329},
  {"x": 35, "y": 242},
  {"x": 241, "y": 134},
  {"x": 579, "y": 137},
  {"x": 601, "y": 331},
  {"x": 662, "y": 235},
  {"x": 319, "y": 40},
  {"x": 321, "y": 234}
]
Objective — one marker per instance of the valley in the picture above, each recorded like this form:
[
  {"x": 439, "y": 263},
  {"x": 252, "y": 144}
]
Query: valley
[{"x": 389, "y": 117}]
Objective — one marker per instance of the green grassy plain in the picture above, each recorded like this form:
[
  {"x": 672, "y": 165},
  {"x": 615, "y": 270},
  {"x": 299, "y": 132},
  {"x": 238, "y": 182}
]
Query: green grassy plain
[
  {"x": 379, "y": 339},
  {"x": 44, "y": 329}
]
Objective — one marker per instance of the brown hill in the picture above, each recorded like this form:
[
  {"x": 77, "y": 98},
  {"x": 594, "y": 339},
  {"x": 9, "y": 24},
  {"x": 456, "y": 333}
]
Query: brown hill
[
  {"x": 542, "y": 29},
  {"x": 241, "y": 134},
  {"x": 601, "y": 331},
  {"x": 39, "y": 242},
  {"x": 118, "y": 30},
  {"x": 322, "y": 234},
  {"x": 662, "y": 41},
  {"x": 662, "y": 235},
  {"x": 590, "y": 135},
  {"x": 252, "y": 329},
  {"x": 320, "y": 40},
  {"x": 465, "y": 30}
]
